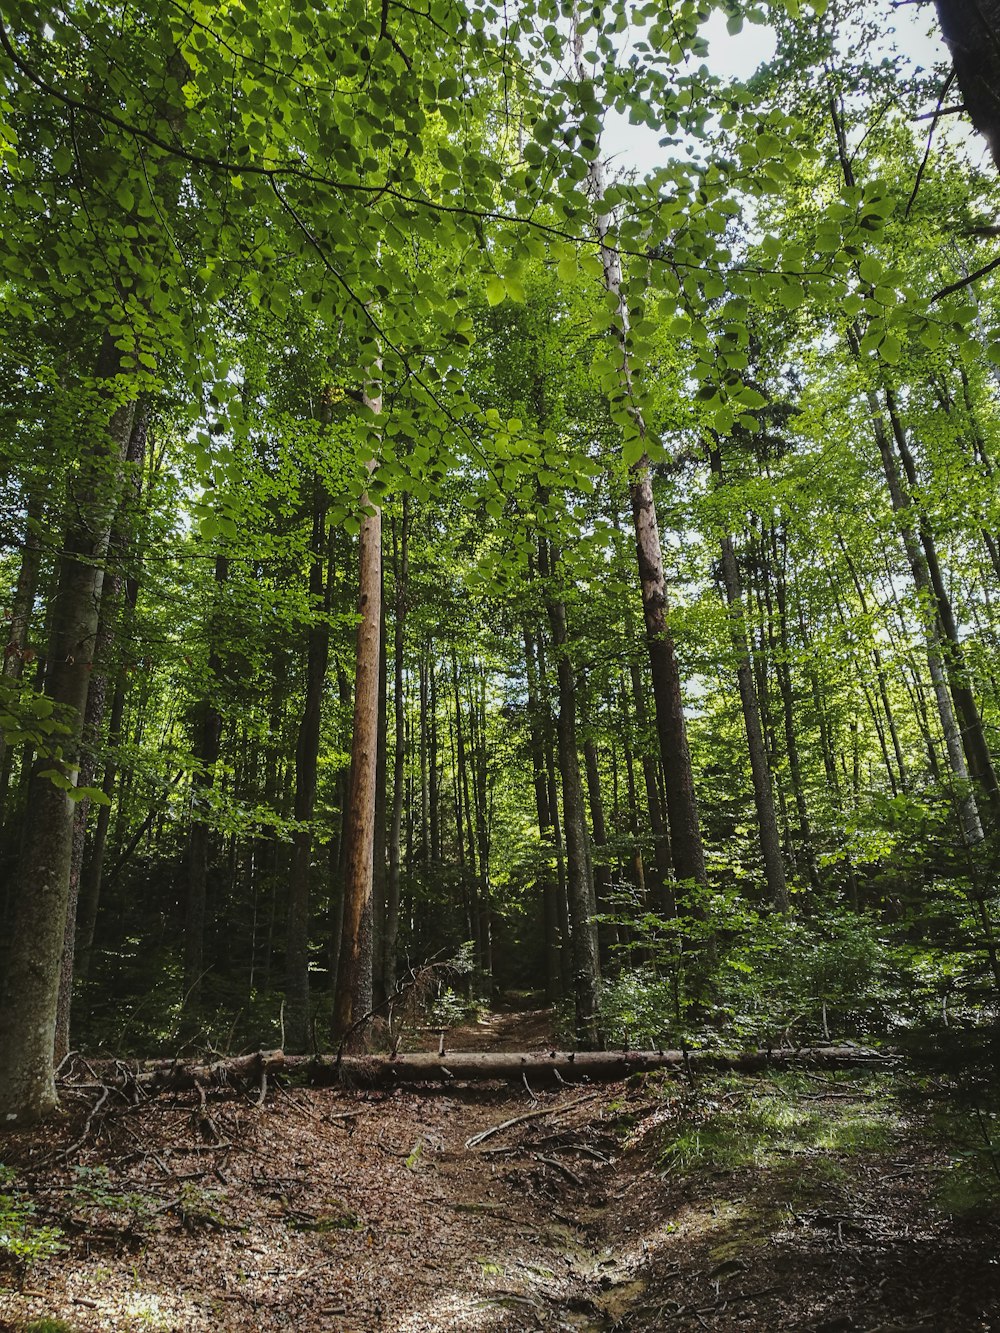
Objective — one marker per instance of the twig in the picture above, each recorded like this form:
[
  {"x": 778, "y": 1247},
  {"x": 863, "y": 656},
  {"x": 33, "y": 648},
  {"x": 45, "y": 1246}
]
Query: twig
[
  {"x": 559, "y": 1166},
  {"x": 105, "y": 1091},
  {"x": 485, "y": 1134}
]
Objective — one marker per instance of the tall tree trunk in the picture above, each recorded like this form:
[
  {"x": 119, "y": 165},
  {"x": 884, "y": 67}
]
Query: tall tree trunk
[
  {"x": 546, "y": 825},
  {"x": 306, "y": 760},
  {"x": 41, "y": 890},
  {"x": 207, "y": 748},
  {"x": 353, "y": 996},
  {"x": 22, "y": 606},
  {"x": 662, "y": 861},
  {"x": 760, "y": 773},
  {"x": 607, "y": 931},
  {"x": 379, "y": 866},
  {"x": 977, "y": 751},
  {"x": 401, "y": 571},
  {"x": 583, "y": 931},
  {"x": 682, "y": 809}
]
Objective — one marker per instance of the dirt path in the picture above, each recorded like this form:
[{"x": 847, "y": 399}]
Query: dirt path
[{"x": 742, "y": 1204}]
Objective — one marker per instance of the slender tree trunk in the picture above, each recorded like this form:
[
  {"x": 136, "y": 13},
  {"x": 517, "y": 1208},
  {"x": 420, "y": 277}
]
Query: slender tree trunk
[
  {"x": 973, "y": 737},
  {"x": 546, "y": 826},
  {"x": 353, "y": 996},
  {"x": 401, "y": 570},
  {"x": 207, "y": 748},
  {"x": 607, "y": 931},
  {"x": 682, "y": 809},
  {"x": 583, "y": 931},
  {"x": 379, "y": 866},
  {"x": 464, "y": 800},
  {"x": 306, "y": 761},
  {"x": 22, "y": 606},
  {"x": 760, "y": 773}
]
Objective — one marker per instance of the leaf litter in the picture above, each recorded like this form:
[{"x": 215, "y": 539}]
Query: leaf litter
[{"x": 632, "y": 1208}]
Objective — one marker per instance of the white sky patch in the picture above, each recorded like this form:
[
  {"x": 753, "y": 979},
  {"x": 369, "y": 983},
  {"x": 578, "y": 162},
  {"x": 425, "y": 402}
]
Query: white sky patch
[{"x": 637, "y": 147}]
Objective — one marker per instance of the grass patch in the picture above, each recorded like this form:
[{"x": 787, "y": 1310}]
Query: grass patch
[{"x": 727, "y": 1127}]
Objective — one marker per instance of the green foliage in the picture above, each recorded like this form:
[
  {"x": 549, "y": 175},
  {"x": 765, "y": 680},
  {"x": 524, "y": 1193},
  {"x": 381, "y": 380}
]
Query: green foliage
[
  {"x": 21, "y": 1238},
  {"x": 777, "y": 979},
  {"x": 92, "y": 1192}
]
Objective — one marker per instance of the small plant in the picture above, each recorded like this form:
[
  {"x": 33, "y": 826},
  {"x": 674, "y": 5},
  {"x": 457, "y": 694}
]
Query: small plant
[
  {"x": 92, "y": 1192},
  {"x": 448, "y": 1009},
  {"x": 20, "y": 1238}
]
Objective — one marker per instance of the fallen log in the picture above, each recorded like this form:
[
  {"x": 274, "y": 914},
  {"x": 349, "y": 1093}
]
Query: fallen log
[{"x": 552, "y": 1067}]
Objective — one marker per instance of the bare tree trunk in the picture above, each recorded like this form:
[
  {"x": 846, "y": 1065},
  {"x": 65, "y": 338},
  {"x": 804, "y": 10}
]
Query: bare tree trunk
[
  {"x": 353, "y": 996},
  {"x": 763, "y": 793},
  {"x": 583, "y": 931},
  {"x": 41, "y": 890},
  {"x": 401, "y": 570},
  {"x": 306, "y": 760},
  {"x": 22, "y": 606},
  {"x": 546, "y": 825}
]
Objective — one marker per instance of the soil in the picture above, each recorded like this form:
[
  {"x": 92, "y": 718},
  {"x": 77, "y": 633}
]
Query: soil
[{"x": 640, "y": 1206}]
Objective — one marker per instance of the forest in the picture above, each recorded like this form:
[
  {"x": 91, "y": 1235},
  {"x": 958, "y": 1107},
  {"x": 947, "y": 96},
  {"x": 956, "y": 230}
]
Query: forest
[{"x": 498, "y": 534}]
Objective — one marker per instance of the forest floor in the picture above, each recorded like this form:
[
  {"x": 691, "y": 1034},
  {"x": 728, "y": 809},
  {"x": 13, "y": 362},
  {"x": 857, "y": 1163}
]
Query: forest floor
[{"x": 780, "y": 1202}]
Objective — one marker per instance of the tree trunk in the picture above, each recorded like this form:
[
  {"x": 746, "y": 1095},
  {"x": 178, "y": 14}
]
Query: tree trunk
[
  {"x": 546, "y": 825},
  {"x": 583, "y": 931},
  {"x": 306, "y": 760},
  {"x": 22, "y": 606},
  {"x": 401, "y": 571},
  {"x": 41, "y": 889},
  {"x": 353, "y": 997},
  {"x": 763, "y": 793}
]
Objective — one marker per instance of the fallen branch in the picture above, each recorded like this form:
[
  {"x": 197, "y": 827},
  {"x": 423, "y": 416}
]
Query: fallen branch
[
  {"x": 247, "y": 1071},
  {"x": 485, "y": 1134}
]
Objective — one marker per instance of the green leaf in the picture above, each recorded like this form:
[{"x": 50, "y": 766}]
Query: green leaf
[
  {"x": 496, "y": 289},
  {"x": 890, "y": 349}
]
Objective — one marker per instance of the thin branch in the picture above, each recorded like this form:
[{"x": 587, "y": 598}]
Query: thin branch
[
  {"x": 930, "y": 139},
  {"x": 967, "y": 280}
]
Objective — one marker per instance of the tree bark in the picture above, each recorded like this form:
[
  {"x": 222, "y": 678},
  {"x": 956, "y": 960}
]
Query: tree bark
[
  {"x": 353, "y": 996},
  {"x": 583, "y": 931},
  {"x": 306, "y": 760},
  {"x": 41, "y": 890},
  {"x": 401, "y": 572},
  {"x": 760, "y": 773}
]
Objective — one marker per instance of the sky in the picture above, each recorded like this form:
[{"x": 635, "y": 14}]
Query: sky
[{"x": 636, "y": 147}]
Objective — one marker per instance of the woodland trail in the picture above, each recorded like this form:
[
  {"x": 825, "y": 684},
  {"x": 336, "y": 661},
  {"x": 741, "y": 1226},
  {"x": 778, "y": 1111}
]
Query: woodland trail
[{"x": 792, "y": 1203}]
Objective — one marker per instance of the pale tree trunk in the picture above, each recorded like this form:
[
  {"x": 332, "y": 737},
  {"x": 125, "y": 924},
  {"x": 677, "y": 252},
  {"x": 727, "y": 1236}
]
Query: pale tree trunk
[
  {"x": 306, "y": 760},
  {"x": 682, "y": 808},
  {"x": 401, "y": 572},
  {"x": 109, "y": 626},
  {"x": 902, "y": 508},
  {"x": 353, "y": 994},
  {"x": 41, "y": 889},
  {"x": 974, "y": 743},
  {"x": 968, "y": 809},
  {"x": 20, "y": 612}
]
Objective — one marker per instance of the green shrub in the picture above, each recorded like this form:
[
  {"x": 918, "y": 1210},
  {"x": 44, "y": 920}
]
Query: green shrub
[{"x": 20, "y": 1238}]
